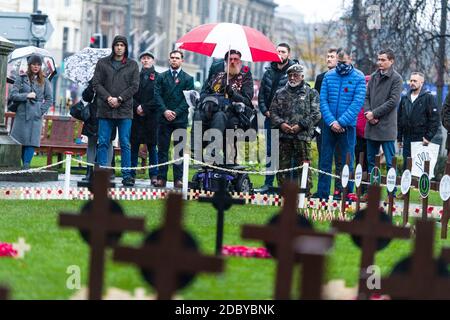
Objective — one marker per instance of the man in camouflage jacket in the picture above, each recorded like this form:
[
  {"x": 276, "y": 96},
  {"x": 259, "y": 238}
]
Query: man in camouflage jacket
[{"x": 295, "y": 111}]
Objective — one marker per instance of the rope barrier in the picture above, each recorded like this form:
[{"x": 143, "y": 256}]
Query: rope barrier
[
  {"x": 261, "y": 173},
  {"x": 129, "y": 168},
  {"x": 37, "y": 170}
]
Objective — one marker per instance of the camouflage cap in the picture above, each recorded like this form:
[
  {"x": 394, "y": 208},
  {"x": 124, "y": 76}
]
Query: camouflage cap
[{"x": 297, "y": 68}]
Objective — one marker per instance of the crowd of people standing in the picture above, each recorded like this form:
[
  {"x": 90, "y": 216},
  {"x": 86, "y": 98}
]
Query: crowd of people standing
[{"x": 346, "y": 112}]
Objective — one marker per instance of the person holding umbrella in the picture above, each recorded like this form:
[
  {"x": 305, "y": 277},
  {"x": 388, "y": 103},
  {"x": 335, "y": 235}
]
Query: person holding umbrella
[{"x": 34, "y": 93}]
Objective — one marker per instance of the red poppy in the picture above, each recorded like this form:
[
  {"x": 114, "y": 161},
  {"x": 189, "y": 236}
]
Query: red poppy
[
  {"x": 152, "y": 76},
  {"x": 345, "y": 89},
  {"x": 7, "y": 250},
  {"x": 177, "y": 81},
  {"x": 246, "y": 69}
]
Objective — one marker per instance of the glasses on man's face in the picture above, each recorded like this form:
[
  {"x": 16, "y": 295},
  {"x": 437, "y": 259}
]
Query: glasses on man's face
[
  {"x": 235, "y": 59},
  {"x": 294, "y": 76}
]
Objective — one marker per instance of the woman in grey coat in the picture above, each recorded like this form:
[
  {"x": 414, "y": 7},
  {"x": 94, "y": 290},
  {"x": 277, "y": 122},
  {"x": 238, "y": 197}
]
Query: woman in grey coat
[{"x": 34, "y": 93}]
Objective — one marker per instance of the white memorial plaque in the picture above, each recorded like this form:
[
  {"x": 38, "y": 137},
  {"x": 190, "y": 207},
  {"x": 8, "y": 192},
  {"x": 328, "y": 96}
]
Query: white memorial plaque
[
  {"x": 444, "y": 188},
  {"x": 345, "y": 176},
  {"x": 391, "y": 179},
  {"x": 358, "y": 175},
  {"x": 406, "y": 181}
]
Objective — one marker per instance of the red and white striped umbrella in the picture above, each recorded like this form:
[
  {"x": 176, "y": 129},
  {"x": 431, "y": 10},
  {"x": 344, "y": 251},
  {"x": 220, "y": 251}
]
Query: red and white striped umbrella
[{"x": 216, "y": 39}]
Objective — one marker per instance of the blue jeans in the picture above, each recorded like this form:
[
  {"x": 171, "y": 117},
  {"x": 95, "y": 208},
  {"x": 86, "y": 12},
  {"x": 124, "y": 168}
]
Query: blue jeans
[
  {"x": 346, "y": 144},
  {"x": 373, "y": 149},
  {"x": 152, "y": 158},
  {"x": 27, "y": 154},
  {"x": 105, "y": 127},
  {"x": 268, "y": 126},
  {"x": 407, "y": 149}
]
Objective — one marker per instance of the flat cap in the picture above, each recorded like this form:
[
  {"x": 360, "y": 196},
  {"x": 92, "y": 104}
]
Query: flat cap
[{"x": 146, "y": 53}]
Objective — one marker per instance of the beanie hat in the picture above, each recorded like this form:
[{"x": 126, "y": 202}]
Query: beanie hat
[{"x": 34, "y": 59}]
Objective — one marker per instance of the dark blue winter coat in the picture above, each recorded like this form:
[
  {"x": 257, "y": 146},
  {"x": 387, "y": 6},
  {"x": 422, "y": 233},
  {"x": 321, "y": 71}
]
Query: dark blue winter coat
[{"x": 342, "y": 97}]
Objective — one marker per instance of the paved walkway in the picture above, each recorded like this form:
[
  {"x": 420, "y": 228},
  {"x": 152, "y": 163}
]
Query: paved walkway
[{"x": 140, "y": 183}]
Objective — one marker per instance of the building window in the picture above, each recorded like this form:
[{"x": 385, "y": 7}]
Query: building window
[
  {"x": 76, "y": 41},
  {"x": 107, "y": 16},
  {"x": 190, "y": 6},
  {"x": 199, "y": 7},
  {"x": 65, "y": 40},
  {"x": 180, "y": 5},
  {"x": 67, "y": 3},
  {"x": 138, "y": 6},
  {"x": 230, "y": 13},
  {"x": 223, "y": 9},
  {"x": 158, "y": 8}
]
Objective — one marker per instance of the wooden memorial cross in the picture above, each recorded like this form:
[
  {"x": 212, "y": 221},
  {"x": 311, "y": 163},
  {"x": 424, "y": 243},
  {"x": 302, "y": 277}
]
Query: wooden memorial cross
[
  {"x": 369, "y": 174},
  {"x": 421, "y": 279},
  {"x": 4, "y": 293},
  {"x": 345, "y": 190},
  {"x": 311, "y": 253},
  {"x": 446, "y": 207},
  {"x": 425, "y": 200},
  {"x": 364, "y": 178},
  {"x": 168, "y": 258},
  {"x": 370, "y": 229},
  {"x": 406, "y": 196},
  {"x": 222, "y": 201},
  {"x": 99, "y": 223},
  {"x": 283, "y": 236},
  {"x": 445, "y": 255}
]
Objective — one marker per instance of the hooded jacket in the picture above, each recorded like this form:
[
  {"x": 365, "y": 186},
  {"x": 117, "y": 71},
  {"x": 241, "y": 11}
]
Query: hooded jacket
[
  {"x": 122, "y": 82},
  {"x": 418, "y": 119},
  {"x": 267, "y": 89}
]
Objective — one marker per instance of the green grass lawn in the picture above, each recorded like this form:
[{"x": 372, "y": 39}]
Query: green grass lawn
[{"x": 42, "y": 274}]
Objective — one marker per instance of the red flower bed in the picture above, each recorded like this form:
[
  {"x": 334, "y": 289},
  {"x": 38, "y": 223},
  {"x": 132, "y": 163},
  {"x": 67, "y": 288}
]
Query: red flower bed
[
  {"x": 247, "y": 252},
  {"x": 6, "y": 250}
]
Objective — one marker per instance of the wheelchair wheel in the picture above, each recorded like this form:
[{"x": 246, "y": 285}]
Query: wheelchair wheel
[{"x": 243, "y": 184}]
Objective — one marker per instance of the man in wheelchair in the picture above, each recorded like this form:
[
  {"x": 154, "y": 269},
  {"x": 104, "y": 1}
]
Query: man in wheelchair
[{"x": 226, "y": 103}]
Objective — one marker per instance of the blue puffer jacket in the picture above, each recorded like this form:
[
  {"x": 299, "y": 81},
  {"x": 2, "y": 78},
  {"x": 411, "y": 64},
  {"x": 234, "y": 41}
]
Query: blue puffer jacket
[{"x": 342, "y": 97}]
